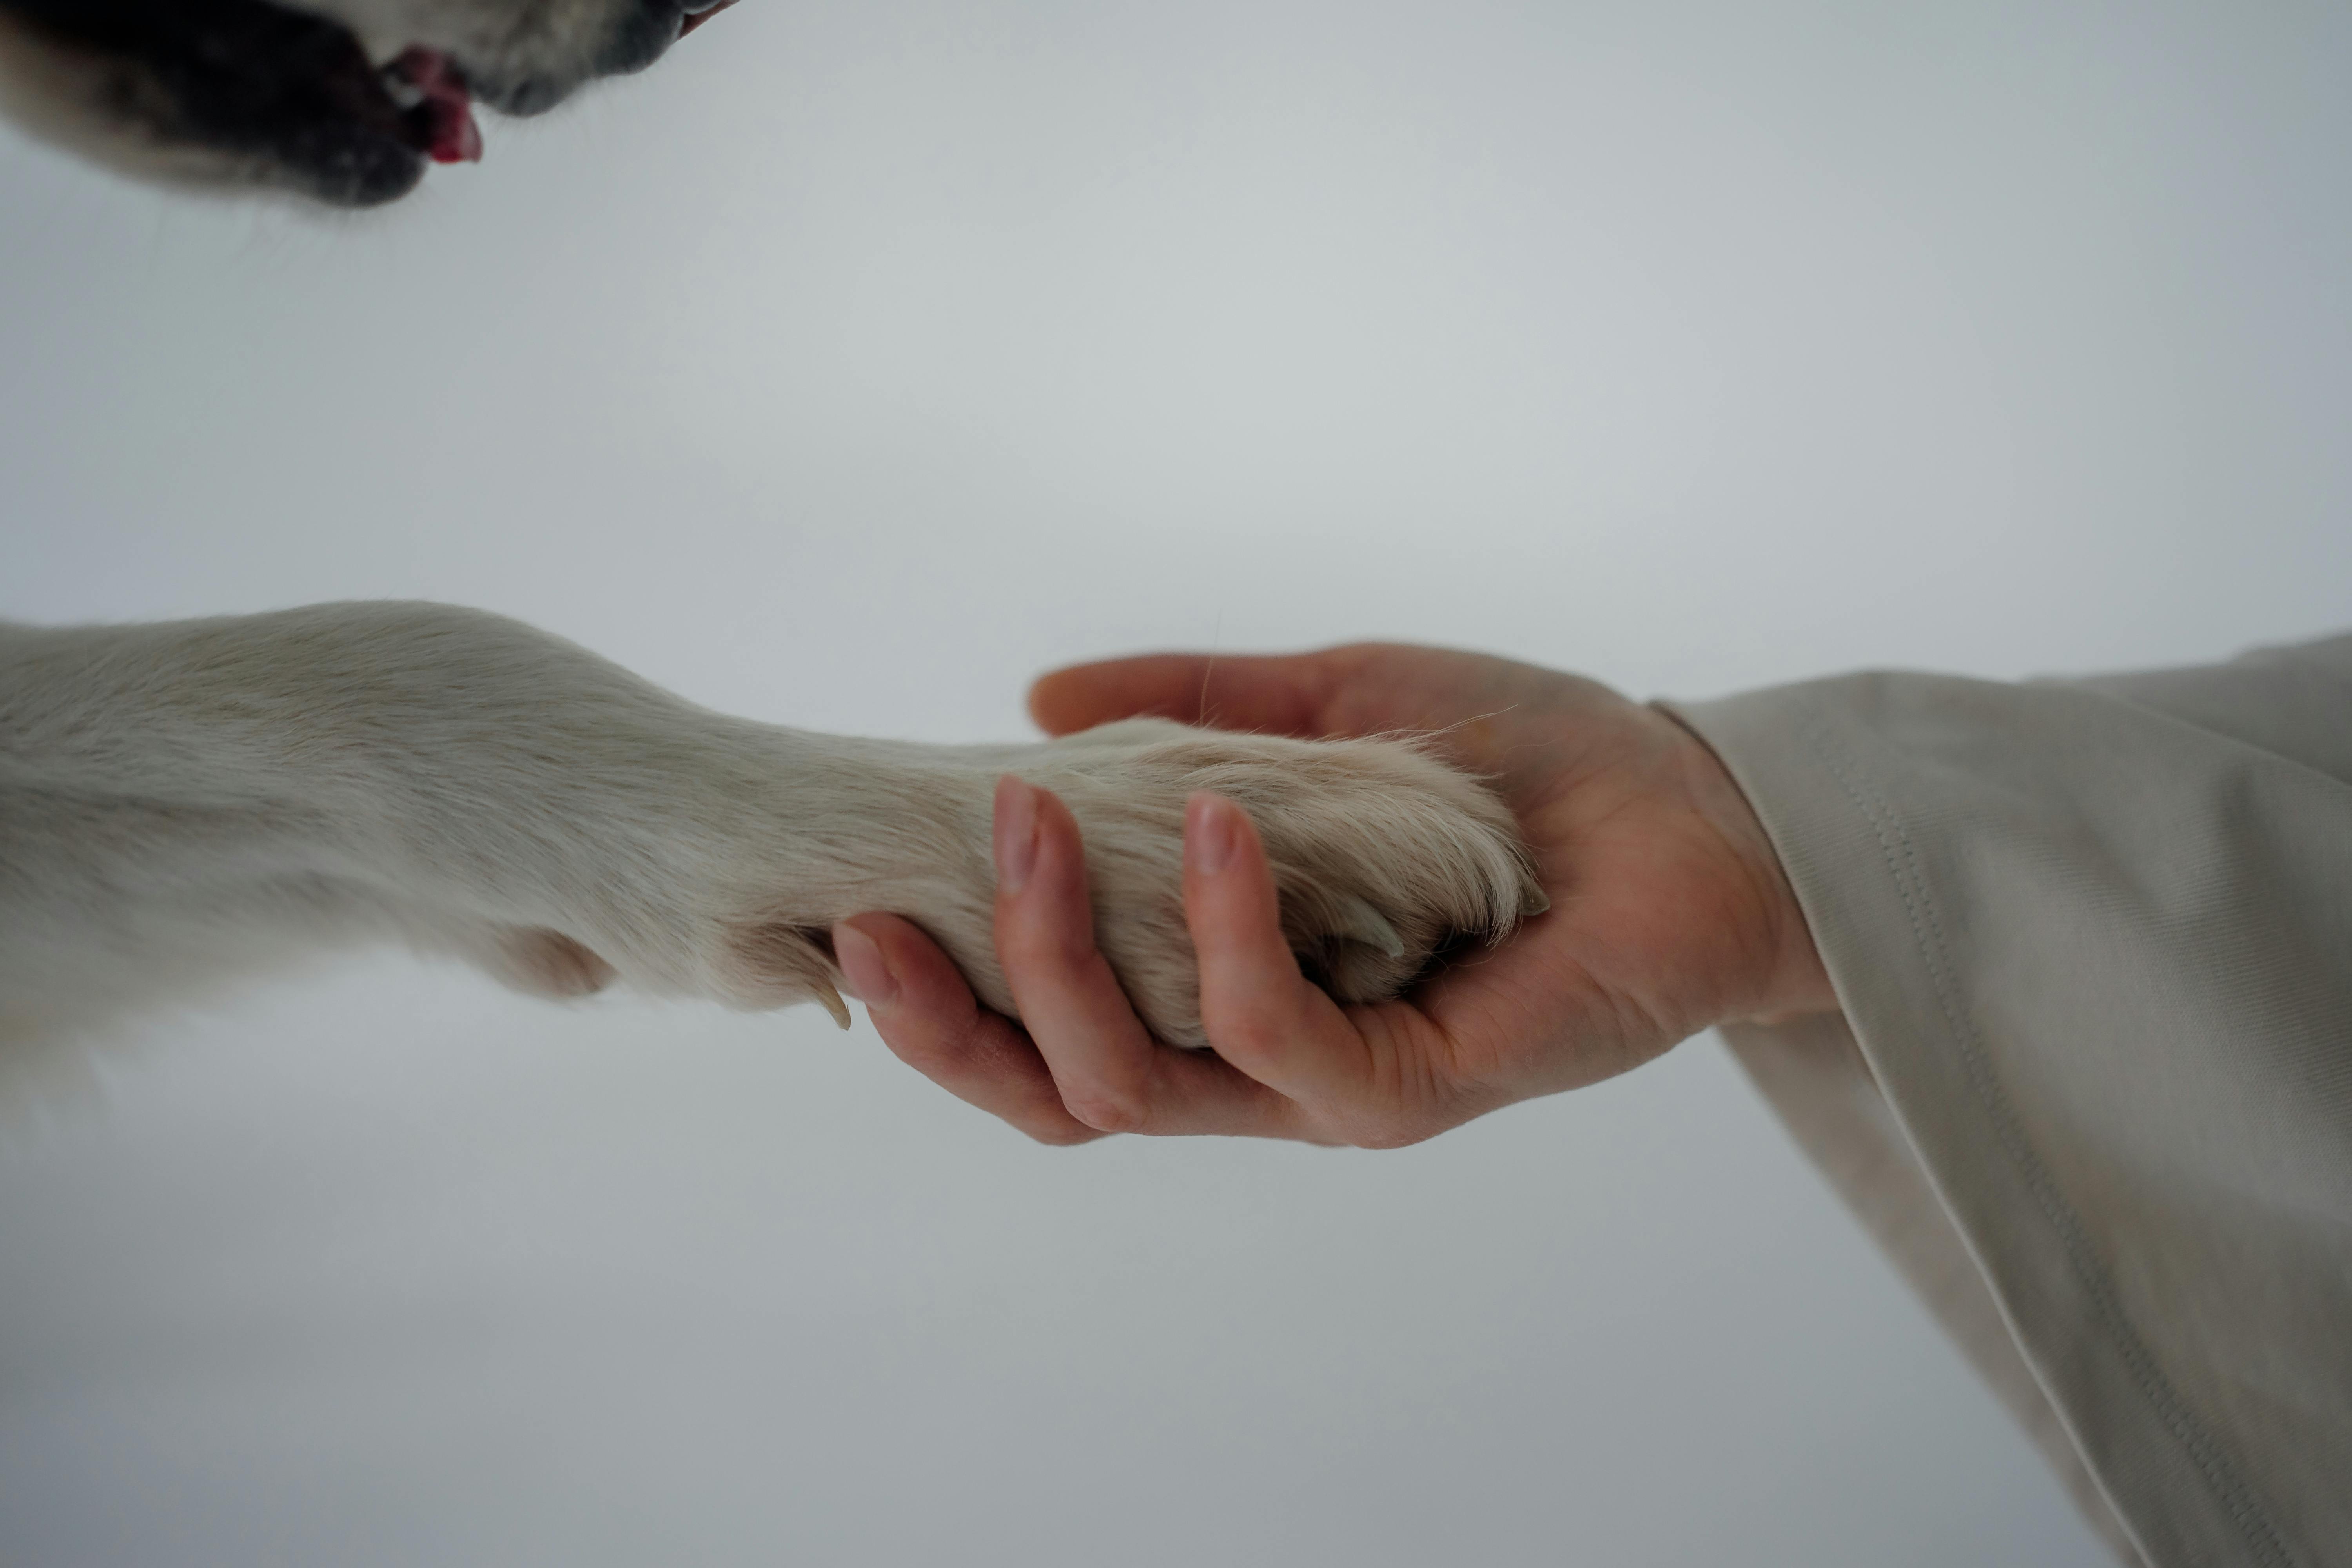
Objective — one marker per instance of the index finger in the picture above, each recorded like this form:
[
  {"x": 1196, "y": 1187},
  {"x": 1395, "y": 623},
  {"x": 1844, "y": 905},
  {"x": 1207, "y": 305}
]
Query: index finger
[
  {"x": 927, "y": 1015},
  {"x": 1111, "y": 1074}
]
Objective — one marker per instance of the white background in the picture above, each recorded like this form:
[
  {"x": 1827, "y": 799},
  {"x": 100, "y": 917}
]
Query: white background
[{"x": 867, "y": 358}]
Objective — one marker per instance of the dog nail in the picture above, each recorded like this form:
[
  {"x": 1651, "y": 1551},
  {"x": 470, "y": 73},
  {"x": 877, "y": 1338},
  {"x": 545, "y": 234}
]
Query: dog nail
[
  {"x": 1209, "y": 834},
  {"x": 1361, "y": 922},
  {"x": 863, "y": 967},
  {"x": 1017, "y": 832}
]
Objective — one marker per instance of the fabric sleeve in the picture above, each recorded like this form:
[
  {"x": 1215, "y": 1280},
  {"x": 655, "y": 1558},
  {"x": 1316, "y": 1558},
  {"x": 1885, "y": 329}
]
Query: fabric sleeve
[{"x": 2092, "y": 943}]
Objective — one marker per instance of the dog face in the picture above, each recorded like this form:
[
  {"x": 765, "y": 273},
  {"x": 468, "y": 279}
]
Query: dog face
[{"x": 341, "y": 100}]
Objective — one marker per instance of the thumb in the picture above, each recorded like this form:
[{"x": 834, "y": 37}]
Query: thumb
[{"x": 1282, "y": 694}]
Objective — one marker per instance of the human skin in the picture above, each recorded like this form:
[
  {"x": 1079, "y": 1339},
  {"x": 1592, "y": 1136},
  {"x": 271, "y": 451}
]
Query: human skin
[{"x": 1670, "y": 913}]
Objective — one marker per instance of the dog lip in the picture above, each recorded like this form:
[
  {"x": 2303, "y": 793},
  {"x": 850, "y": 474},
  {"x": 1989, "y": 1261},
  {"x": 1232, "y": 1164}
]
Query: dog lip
[
  {"x": 437, "y": 110},
  {"x": 697, "y": 15}
]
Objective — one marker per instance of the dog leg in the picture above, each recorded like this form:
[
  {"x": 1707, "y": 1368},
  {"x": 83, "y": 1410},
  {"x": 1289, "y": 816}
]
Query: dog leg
[{"x": 181, "y": 804}]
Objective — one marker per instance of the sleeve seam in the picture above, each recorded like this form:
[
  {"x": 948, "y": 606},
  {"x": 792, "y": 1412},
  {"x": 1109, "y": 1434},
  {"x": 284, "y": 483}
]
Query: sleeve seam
[{"x": 1901, "y": 856}]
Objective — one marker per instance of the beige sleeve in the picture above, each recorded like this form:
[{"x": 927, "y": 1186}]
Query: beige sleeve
[{"x": 2093, "y": 1084}]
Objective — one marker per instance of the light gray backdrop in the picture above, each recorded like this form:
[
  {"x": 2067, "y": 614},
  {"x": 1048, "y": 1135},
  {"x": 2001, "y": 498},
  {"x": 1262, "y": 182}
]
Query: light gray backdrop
[{"x": 869, "y": 357}]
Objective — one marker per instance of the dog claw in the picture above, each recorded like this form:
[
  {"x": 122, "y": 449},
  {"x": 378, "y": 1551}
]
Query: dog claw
[
  {"x": 1366, "y": 924},
  {"x": 826, "y": 994}
]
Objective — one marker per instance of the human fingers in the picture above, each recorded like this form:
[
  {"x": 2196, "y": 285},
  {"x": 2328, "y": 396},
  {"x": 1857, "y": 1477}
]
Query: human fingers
[
  {"x": 1256, "y": 1006},
  {"x": 1112, "y": 1075},
  {"x": 1284, "y": 694},
  {"x": 931, "y": 1020},
  {"x": 1372, "y": 1075},
  {"x": 1517, "y": 724}
]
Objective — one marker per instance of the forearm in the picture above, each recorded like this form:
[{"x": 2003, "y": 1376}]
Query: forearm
[{"x": 2091, "y": 939}]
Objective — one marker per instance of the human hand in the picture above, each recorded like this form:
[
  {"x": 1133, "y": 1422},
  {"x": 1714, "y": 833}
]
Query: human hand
[{"x": 1669, "y": 913}]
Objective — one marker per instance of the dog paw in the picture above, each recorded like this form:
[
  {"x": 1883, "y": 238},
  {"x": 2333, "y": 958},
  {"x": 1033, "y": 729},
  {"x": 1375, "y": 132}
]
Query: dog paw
[
  {"x": 718, "y": 869},
  {"x": 1385, "y": 857}
]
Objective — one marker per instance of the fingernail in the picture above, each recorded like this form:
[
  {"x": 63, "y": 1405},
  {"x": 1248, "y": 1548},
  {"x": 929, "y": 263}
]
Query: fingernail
[
  {"x": 1208, "y": 834},
  {"x": 1017, "y": 832},
  {"x": 863, "y": 967}
]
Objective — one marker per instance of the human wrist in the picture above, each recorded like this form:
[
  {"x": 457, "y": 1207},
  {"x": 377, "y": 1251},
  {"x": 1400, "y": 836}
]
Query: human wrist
[{"x": 1785, "y": 978}]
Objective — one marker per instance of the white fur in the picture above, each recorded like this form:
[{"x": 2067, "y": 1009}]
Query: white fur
[
  {"x": 184, "y": 805},
  {"x": 495, "y": 37}
]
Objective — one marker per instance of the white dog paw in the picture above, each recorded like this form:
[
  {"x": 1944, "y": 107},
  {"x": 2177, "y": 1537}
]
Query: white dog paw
[{"x": 1385, "y": 857}]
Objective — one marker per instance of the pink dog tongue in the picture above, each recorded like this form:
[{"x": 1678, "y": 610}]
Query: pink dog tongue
[{"x": 447, "y": 110}]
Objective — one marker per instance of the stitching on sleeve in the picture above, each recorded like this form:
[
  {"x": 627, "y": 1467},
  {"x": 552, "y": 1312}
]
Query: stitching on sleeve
[{"x": 1901, "y": 858}]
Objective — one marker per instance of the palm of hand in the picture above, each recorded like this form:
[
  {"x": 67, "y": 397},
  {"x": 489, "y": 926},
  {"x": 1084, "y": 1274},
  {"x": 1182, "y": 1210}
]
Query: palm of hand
[
  {"x": 1668, "y": 909},
  {"x": 1669, "y": 912}
]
